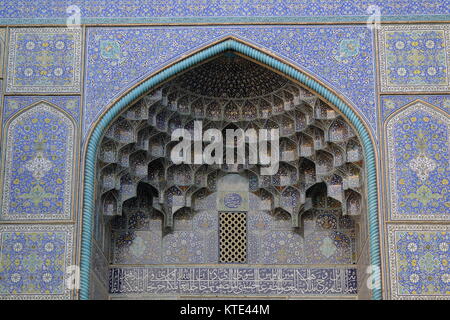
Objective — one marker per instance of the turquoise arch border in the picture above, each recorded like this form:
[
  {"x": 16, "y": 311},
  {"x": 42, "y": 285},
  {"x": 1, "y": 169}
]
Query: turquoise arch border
[{"x": 227, "y": 44}]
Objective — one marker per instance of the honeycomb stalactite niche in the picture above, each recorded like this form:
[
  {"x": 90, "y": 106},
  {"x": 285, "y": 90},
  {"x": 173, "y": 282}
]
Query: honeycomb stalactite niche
[{"x": 316, "y": 145}]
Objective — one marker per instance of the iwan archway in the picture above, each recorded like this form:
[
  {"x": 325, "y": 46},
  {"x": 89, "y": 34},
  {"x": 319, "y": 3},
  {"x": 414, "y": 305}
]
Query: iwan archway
[{"x": 94, "y": 202}]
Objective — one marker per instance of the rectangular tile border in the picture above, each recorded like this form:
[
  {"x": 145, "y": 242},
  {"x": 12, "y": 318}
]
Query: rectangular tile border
[
  {"x": 76, "y": 85},
  {"x": 69, "y": 249},
  {"x": 392, "y": 259},
  {"x": 384, "y": 86}
]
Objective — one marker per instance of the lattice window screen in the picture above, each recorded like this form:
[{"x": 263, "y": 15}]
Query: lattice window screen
[{"x": 233, "y": 237}]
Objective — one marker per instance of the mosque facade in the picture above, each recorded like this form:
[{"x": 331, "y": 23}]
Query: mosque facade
[{"x": 224, "y": 149}]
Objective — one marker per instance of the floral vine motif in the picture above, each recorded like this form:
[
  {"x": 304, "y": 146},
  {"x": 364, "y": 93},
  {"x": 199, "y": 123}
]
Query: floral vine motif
[
  {"x": 37, "y": 194},
  {"x": 422, "y": 165},
  {"x": 424, "y": 195}
]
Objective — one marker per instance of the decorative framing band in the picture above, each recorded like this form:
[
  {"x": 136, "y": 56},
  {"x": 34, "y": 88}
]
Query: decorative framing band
[{"x": 227, "y": 44}]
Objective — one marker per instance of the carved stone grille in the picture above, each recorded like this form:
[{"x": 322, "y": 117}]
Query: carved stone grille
[{"x": 233, "y": 237}]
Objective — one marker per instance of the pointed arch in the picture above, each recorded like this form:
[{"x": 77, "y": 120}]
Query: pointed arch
[
  {"x": 392, "y": 177},
  {"x": 257, "y": 55},
  {"x": 61, "y": 185}
]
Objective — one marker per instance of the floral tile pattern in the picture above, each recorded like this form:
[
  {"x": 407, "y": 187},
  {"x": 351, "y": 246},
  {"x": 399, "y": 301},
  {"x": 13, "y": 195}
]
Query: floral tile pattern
[
  {"x": 44, "y": 60},
  {"x": 418, "y": 164},
  {"x": 38, "y": 165},
  {"x": 418, "y": 261},
  {"x": 118, "y": 58},
  {"x": 414, "y": 58},
  {"x": 34, "y": 261}
]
